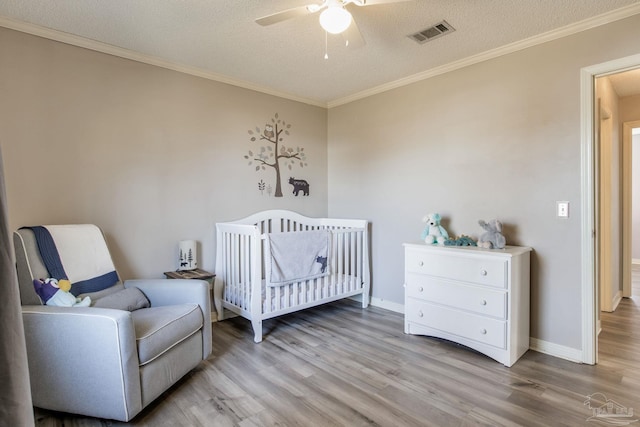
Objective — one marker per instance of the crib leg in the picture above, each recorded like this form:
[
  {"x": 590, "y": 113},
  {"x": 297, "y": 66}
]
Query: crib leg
[
  {"x": 365, "y": 297},
  {"x": 257, "y": 330},
  {"x": 217, "y": 298}
]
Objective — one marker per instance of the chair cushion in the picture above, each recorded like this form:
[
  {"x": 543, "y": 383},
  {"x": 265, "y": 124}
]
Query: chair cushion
[{"x": 158, "y": 329}]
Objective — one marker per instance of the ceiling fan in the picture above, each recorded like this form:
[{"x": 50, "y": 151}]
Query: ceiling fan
[{"x": 334, "y": 18}]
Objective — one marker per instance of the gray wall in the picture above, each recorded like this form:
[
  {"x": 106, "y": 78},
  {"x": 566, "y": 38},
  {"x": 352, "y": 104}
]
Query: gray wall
[
  {"x": 152, "y": 156},
  {"x": 499, "y": 139}
]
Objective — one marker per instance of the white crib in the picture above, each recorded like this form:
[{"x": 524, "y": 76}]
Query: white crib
[{"x": 240, "y": 266}]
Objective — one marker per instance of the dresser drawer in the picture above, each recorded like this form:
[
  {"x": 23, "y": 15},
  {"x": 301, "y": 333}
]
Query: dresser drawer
[
  {"x": 483, "y": 270},
  {"x": 481, "y": 300},
  {"x": 478, "y": 328}
]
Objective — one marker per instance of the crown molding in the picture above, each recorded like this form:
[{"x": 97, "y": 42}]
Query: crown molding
[
  {"x": 97, "y": 46},
  {"x": 568, "y": 30}
]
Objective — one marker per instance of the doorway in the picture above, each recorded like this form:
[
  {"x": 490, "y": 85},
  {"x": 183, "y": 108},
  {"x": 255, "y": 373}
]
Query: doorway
[
  {"x": 607, "y": 195},
  {"x": 591, "y": 186},
  {"x": 630, "y": 203}
]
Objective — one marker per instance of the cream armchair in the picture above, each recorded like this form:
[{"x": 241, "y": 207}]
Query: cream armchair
[{"x": 108, "y": 362}]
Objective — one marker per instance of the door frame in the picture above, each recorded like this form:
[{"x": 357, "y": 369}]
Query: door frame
[{"x": 587, "y": 141}]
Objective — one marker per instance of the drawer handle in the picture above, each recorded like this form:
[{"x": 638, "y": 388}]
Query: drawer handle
[
  {"x": 420, "y": 314},
  {"x": 420, "y": 263},
  {"x": 483, "y": 302},
  {"x": 420, "y": 289},
  {"x": 483, "y": 331},
  {"x": 483, "y": 272}
]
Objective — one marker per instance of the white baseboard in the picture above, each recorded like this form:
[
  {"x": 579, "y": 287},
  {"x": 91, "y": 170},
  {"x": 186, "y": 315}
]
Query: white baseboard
[
  {"x": 616, "y": 300},
  {"x": 387, "y": 305},
  {"x": 381, "y": 303},
  {"x": 556, "y": 350}
]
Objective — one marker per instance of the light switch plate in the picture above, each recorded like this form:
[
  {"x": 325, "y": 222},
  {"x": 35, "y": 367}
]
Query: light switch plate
[{"x": 562, "y": 209}]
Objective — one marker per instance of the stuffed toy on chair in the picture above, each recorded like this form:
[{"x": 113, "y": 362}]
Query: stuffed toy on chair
[
  {"x": 56, "y": 293},
  {"x": 492, "y": 237},
  {"x": 433, "y": 232}
]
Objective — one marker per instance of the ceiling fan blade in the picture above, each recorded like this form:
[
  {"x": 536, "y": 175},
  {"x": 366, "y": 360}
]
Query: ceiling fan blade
[
  {"x": 353, "y": 37},
  {"x": 284, "y": 15}
]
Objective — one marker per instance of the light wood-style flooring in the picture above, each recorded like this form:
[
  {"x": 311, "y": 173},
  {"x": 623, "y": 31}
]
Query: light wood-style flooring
[{"x": 340, "y": 365}]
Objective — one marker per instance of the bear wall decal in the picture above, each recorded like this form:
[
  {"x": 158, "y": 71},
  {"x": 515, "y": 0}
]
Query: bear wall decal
[{"x": 299, "y": 185}]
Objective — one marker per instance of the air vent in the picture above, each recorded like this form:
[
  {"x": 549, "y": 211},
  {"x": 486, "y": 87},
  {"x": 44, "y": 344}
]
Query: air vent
[{"x": 428, "y": 34}]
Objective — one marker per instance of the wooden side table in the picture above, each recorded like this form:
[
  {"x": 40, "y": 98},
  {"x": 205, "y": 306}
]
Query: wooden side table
[{"x": 198, "y": 274}]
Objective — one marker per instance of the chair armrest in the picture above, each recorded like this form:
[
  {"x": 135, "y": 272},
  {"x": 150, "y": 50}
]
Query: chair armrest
[
  {"x": 81, "y": 355},
  {"x": 162, "y": 292}
]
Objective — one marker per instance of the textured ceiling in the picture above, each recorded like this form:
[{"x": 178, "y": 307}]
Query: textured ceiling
[{"x": 221, "y": 39}]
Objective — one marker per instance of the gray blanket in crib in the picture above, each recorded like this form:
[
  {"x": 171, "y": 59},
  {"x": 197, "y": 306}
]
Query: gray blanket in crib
[{"x": 298, "y": 256}]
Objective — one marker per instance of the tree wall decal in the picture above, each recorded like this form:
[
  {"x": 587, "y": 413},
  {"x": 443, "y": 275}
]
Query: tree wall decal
[
  {"x": 274, "y": 151},
  {"x": 190, "y": 257}
]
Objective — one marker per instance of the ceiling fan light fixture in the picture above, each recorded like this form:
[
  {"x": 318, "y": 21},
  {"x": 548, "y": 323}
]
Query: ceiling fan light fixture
[{"x": 335, "y": 20}]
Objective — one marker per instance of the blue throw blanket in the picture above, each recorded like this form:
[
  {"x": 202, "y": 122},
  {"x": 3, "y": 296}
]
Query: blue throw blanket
[
  {"x": 48, "y": 252},
  {"x": 82, "y": 281}
]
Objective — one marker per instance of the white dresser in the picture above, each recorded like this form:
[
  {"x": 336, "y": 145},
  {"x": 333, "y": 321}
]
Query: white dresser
[{"x": 475, "y": 297}]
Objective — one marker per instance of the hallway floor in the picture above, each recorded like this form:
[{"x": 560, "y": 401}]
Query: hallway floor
[{"x": 619, "y": 341}]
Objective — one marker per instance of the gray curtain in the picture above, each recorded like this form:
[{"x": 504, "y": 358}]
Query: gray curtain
[{"x": 15, "y": 396}]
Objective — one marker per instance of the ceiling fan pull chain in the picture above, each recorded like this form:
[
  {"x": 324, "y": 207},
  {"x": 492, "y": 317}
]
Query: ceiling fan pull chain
[{"x": 326, "y": 53}]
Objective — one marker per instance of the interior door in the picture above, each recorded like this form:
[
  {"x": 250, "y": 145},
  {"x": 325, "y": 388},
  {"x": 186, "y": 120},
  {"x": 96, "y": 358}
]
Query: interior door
[
  {"x": 604, "y": 235},
  {"x": 627, "y": 205}
]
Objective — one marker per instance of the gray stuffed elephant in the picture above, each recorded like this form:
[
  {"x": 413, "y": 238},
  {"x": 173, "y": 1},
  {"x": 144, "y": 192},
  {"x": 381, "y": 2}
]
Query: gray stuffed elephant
[{"x": 492, "y": 237}]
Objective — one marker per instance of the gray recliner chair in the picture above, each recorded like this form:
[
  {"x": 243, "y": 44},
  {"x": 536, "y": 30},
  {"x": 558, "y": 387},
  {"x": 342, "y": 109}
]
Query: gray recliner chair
[{"x": 108, "y": 362}]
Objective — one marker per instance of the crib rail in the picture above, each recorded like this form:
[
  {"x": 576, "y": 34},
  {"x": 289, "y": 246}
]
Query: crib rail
[
  {"x": 240, "y": 273},
  {"x": 346, "y": 275},
  {"x": 237, "y": 266}
]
